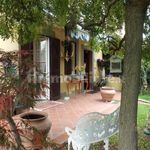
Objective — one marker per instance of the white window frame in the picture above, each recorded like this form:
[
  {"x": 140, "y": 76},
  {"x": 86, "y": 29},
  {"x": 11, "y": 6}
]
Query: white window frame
[{"x": 115, "y": 59}]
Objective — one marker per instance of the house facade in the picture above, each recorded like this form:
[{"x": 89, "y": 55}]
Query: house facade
[
  {"x": 57, "y": 55},
  {"x": 8, "y": 45}
]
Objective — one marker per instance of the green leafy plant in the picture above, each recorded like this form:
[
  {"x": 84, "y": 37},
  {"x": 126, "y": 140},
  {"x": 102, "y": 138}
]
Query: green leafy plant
[
  {"x": 101, "y": 82},
  {"x": 81, "y": 68},
  {"x": 15, "y": 90}
]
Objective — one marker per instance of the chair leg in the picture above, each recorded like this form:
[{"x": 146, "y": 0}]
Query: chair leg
[
  {"x": 86, "y": 147},
  {"x": 106, "y": 146},
  {"x": 69, "y": 143}
]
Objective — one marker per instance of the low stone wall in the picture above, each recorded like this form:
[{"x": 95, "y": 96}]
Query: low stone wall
[{"x": 114, "y": 82}]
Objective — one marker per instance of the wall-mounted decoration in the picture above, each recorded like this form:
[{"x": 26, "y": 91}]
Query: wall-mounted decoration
[
  {"x": 100, "y": 63},
  {"x": 68, "y": 50},
  {"x": 115, "y": 64}
]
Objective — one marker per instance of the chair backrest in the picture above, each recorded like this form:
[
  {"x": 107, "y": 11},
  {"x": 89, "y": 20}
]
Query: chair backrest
[{"x": 94, "y": 126}]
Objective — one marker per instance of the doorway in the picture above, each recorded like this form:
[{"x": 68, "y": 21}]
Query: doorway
[
  {"x": 42, "y": 64},
  {"x": 88, "y": 60}
]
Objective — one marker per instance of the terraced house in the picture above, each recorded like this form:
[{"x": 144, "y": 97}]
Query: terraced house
[{"x": 66, "y": 59}]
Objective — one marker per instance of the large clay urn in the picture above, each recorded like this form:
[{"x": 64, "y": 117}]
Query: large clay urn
[
  {"x": 37, "y": 119},
  {"x": 107, "y": 93}
]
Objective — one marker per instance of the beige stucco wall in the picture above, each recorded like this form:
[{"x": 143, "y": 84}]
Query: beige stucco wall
[
  {"x": 114, "y": 82},
  {"x": 81, "y": 45},
  {"x": 80, "y": 52},
  {"x": 96, "y": 71},
  {"x": 8, "y": 45},
  {"x": 59, "y": 33}
]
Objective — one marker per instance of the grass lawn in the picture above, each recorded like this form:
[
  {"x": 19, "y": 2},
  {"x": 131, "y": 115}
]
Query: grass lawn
[
  {"x": 142, "y": 115},
  {"x": 145, "y": 96},
  {"x": 143, "y": 140}
]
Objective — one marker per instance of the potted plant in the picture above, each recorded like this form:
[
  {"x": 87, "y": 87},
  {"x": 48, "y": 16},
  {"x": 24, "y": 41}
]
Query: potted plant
[
  {"x": 107, "y": 93},
  {"x": 101, "y": 82},
  {"x": 15, "y": 90},
  {"x": 38, "y": 120},
  {"x": 80, "y": 70}
]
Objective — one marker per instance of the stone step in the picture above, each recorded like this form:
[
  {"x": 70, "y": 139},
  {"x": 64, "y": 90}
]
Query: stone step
[{"x": 60, "y": 140}]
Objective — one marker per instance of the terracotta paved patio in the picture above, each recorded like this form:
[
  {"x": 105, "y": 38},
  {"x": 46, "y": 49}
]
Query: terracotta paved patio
[{"x": 67, "y": 113}]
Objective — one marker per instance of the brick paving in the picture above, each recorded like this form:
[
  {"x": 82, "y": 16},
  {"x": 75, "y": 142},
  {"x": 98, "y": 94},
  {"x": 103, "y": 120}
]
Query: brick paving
[
  {"x": 65, "y": 113},
  {"x": 69, "y": 113}
]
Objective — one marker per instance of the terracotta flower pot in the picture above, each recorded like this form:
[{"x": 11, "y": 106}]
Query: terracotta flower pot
[
  {"x": 107, "y": 93},
  {"x": 37, "y": 119}
]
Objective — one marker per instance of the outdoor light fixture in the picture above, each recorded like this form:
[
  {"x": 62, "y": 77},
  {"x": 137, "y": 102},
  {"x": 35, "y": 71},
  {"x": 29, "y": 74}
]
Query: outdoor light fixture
[
  {"x": 68, "y": 50},
  {"x": 67, "y": 57},
  {"x": 115, "y": 64}
]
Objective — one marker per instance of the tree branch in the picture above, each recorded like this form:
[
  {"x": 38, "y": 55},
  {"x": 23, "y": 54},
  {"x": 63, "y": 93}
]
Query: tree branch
[
  {"x": 119, "y": 45},
  {"x": 15, "y": 131},
  {"x": 102, "y": 21}
]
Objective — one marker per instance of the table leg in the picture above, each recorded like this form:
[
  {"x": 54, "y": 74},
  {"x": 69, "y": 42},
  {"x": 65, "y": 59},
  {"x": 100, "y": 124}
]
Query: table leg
[
  {"x": 75, "y": 89},
  {"x": 87, "y": 85},
  {"x": 68, "y": 88},
  {"x": 79, "y": 86}
]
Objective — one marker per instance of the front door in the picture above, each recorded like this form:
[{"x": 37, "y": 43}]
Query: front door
[
  {"x": 88, "y": 59},
  {"x": 42, "y": 63}
]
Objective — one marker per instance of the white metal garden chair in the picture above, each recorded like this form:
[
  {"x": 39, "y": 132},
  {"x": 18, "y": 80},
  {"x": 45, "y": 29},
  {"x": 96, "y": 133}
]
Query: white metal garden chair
[{"x": 91, "y": 128}]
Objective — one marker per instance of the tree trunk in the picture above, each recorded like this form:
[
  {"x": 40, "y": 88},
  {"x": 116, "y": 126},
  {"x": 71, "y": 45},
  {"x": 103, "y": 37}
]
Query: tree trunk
[{"x": 135, "y": 14}]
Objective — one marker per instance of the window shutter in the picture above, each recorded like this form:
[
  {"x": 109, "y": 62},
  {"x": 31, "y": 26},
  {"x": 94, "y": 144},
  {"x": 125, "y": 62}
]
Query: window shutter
[{"x": 54, "y": 69}]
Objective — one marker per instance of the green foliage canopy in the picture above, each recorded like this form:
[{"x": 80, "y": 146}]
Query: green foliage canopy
[
  {"x": 102, "y": 18},
  {"x": 27, "y": 18}
]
